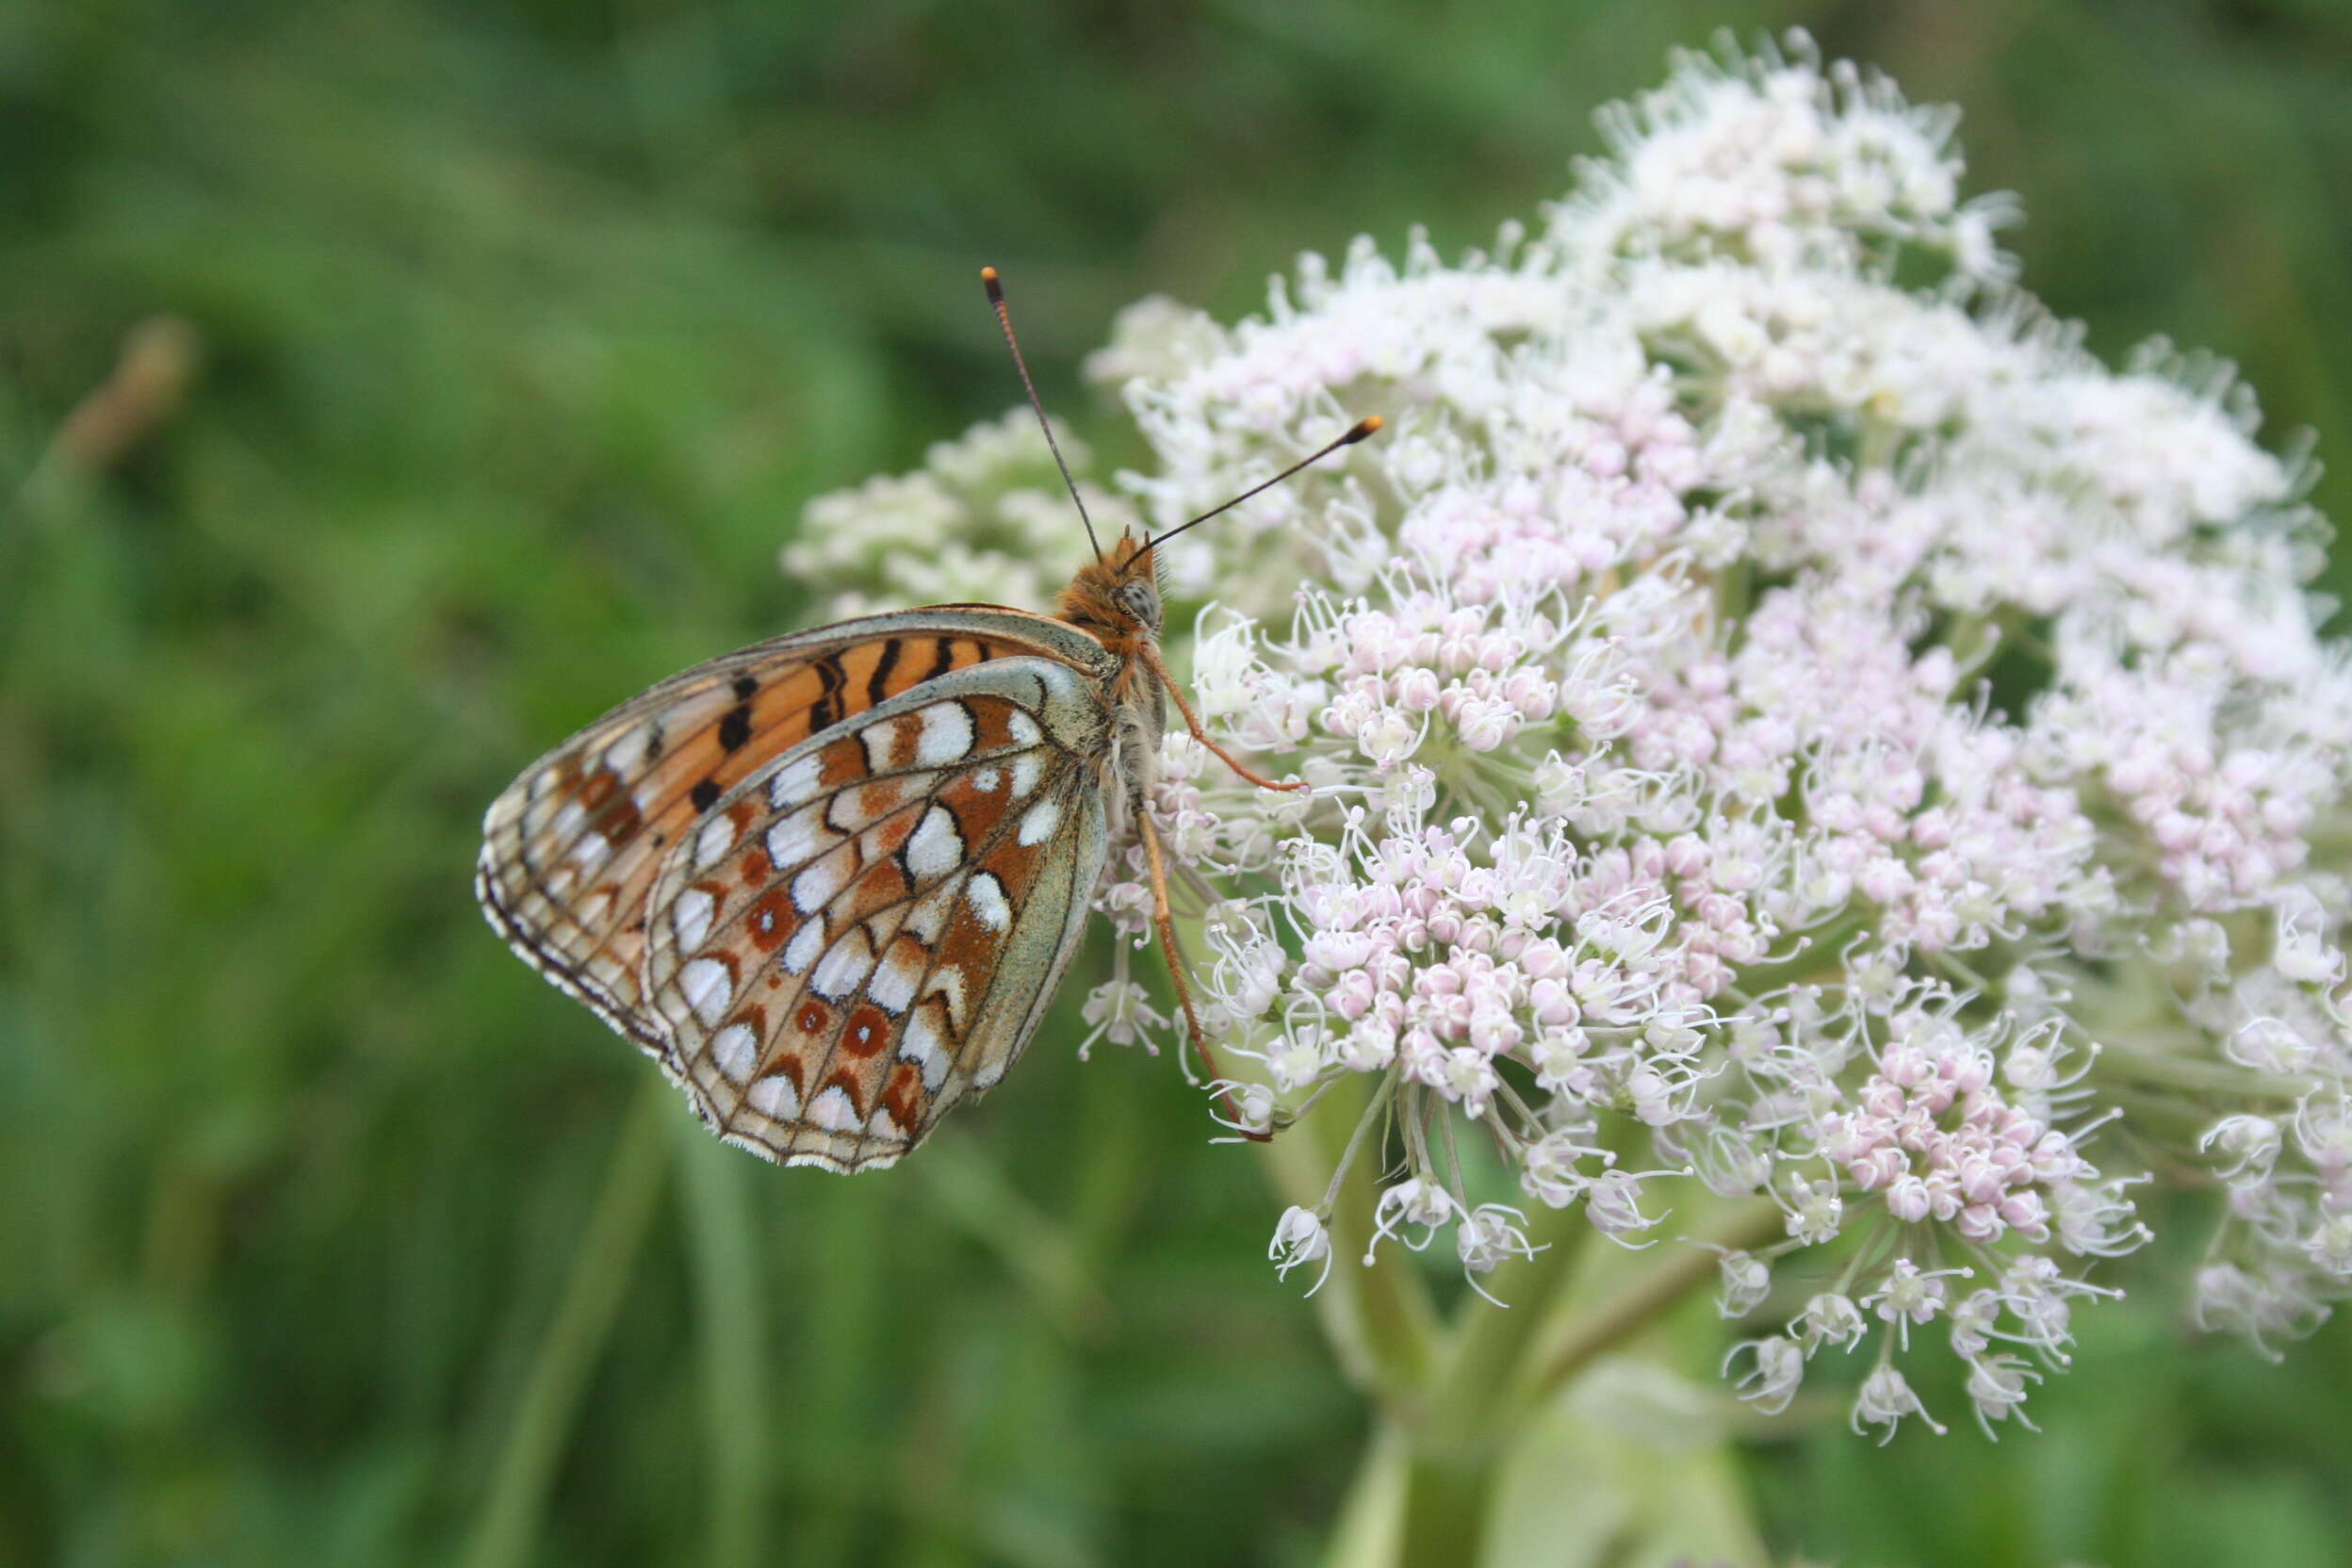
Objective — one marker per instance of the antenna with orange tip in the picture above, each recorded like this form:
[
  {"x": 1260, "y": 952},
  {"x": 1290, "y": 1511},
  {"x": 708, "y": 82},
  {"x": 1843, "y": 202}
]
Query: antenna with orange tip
[
  {"x": 1368, "y": 425},
  {"x": 1004, "y": 320}
]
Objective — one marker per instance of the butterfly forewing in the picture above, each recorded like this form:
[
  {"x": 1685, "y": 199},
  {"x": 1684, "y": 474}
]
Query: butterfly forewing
[
  {"x": 872, "y": 926},
  {"x": 571, "y": 847},
  {"x": 575, "y": 851}
]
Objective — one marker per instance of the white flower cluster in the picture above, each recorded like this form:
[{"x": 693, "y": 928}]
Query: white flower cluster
[
  {"x": 1773, "y": 727},
  {"x": 972, "y": 525}
]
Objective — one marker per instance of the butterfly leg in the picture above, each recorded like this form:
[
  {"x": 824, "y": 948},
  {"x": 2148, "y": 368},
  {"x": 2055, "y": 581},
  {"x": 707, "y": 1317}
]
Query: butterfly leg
[
  {"x": 1163, "y": 921},
  {"x": 1192, "y": 722}
]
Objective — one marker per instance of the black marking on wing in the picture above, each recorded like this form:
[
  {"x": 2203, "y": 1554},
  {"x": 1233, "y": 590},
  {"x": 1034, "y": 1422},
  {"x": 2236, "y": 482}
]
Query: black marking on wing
[
  {"x": 826, "y": 710},
  {"x": 878, "y": 684}
]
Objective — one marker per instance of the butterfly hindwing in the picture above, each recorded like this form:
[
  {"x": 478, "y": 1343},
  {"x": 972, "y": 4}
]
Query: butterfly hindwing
[
  {"x": 572, "y": 847},
  {"x": 870, "y": 925}
]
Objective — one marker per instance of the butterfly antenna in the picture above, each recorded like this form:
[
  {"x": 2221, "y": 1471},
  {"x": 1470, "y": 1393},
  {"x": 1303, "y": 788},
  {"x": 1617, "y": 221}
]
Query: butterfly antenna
[
  {"x": 1369, "y": 424},
  {"x": 1004, "y": 320}
]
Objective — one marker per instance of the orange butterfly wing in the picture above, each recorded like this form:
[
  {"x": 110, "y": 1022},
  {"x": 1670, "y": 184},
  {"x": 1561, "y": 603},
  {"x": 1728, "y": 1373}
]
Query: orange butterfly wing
[{"x": 573, "y": 848}]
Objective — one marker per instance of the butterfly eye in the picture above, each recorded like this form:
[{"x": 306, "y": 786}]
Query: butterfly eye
[{"x": 1141, "y": 600}]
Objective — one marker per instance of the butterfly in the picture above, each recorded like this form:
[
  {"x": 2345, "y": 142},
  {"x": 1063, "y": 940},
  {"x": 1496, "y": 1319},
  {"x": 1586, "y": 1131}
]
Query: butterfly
[{"x": 831, "y": 882}]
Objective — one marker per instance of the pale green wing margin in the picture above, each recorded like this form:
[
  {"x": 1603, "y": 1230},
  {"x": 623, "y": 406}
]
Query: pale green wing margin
[{"x": 1038, "y": 950}]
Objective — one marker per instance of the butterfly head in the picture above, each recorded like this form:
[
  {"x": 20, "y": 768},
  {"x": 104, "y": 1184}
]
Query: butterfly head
[{"x": 1118, "y": 597}]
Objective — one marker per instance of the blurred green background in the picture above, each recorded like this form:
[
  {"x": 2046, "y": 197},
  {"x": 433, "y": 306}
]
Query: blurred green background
[{"x": 521, "y": 331}]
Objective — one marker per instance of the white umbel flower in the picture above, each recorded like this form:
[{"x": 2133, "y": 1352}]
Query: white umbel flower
[{"x": 1667, "y": 834}]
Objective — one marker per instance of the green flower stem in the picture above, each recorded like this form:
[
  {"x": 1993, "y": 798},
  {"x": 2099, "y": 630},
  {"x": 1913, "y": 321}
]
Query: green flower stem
[
  {"x": 1454, "y": 1404},
  {"x": 1574, "y": 1336},
  {"x": 506, "y": 1530},
  {"x": 1425, "y": 1491},
  {"x": 1379, "y": 1318},
  {"x": 1445, "y": 1507},
  {"x": 2203, "y": 1075},
  {"x": 2172, "y": 1121},
  {"x": 1369, "y": 1532},
  {"x": 1421, "y": 1491},
  {"x": 1469, "y": 1417},
  {"x": 1504, "y": 1367},
  {"x": 1471, "y": 1384}
]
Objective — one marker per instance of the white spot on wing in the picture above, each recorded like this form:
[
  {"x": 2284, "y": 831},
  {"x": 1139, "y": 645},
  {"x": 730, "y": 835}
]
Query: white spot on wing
[
  {"x": 1025, "y": 728},
  {"x": 689, "y": 916},
  {"x": 736, "y": 1050},
  {"x": 927, "y": 919},
  {"x": 717, "y": 837},
  {"x": 707, "y": 989},
  {"x": 843, "y": 966},
  {"x": 803, "y": 949},
  {"x": 796, "y": 838},
  {"x": 987, "y": 1073},
  {"x": 918, "y": 1044},
  {"x": 986, "y": 895},
  {"x": 1038, "y": 822},
  {"x": 935, "y": 847},
  {"x": 1026, "y": 767},
  {"x": 796, "y": 783},
  {"x": 833, "y": 1111},
  {"x": 896, "y": 976},
  {"x": 591, "y": 848},
  {"x": 881, "y": 738},
  {"x": 946, "y": 734},
  {"x": 627, "y": 755},
  {"x": 986, "y": 780},
  {"x": 882, "y": 1124},
  {"x": 814, "y": 887},
  {"x": 775, "y": 1096},
  {"x": 567, "y": 818}
]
